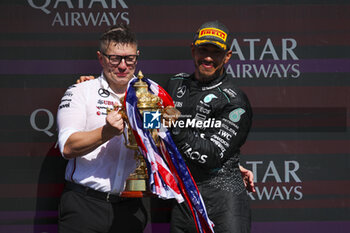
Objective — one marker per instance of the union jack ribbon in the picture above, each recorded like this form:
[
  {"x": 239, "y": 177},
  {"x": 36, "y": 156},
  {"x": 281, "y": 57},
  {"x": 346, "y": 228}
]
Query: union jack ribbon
[{"x": 169, "y": 176}]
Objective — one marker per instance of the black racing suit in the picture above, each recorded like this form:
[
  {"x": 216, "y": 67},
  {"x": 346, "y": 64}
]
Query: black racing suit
[{"x": 211, "y": 149}]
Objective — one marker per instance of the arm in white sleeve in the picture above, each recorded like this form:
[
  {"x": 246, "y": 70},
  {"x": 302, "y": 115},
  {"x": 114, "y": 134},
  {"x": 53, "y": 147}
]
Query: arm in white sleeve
[{"x": 73, "y": 140}]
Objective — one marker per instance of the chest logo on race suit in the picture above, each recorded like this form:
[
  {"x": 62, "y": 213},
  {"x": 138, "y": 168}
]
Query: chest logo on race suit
[
  {"x": 103, "y": 92},
  {"x": 178, "y": 104},
  {"x": 209, "y": 98},
  {"x": 235, "y": 115},
  {"x": 181, "y": 91}
]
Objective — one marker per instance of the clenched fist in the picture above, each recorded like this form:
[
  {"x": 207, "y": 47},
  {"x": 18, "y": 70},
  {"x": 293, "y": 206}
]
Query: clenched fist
[{"x": 114, "y": 123}]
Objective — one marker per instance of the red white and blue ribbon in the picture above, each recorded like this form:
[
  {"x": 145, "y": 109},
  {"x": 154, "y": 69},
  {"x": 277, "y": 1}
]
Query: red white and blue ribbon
[{"x": 169, "y": 176}]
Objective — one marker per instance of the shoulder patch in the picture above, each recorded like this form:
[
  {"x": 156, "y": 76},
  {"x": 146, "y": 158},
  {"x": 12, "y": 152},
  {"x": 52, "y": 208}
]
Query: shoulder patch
[
  {"x": 230, "y": 92},
  {"x": 235, "y": 115},
  {"x": 181, "y": 76}
]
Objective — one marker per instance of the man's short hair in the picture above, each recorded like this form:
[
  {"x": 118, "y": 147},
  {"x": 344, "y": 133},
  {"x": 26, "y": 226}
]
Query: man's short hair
[{"x": 119, "y": 33}]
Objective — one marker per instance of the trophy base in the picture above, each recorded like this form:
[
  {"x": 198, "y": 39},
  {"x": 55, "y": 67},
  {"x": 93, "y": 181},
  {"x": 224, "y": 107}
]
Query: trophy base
[
  {"x": 136, "y": 188},
  {"x": 136, "y": 185},
  {"x": 137, "y": 194},
  {"x": 132, "y": 194}
]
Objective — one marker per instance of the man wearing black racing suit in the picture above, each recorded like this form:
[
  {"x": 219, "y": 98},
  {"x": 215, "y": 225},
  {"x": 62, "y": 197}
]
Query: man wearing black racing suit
[{"x": 216, "y": 119}]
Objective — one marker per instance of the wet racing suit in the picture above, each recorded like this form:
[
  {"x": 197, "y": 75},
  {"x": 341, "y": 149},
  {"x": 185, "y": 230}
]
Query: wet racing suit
[{"x": 210, "y": 145}]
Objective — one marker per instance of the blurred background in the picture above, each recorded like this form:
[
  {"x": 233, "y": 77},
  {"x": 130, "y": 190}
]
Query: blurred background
[{"x": 290, "y": 57}]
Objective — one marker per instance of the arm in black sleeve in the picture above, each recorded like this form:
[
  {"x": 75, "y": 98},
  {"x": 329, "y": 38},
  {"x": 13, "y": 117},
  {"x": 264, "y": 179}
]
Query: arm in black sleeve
[{"x": 214, "y": 146}]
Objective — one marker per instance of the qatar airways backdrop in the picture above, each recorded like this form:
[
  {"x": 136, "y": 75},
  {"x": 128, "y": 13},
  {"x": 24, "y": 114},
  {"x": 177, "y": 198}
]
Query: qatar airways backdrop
[{"x": 290, "y": 57}]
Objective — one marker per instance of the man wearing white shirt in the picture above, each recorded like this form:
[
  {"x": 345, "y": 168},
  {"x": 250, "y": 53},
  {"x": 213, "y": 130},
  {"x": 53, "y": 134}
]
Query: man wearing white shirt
[{"x": 92, "y": 141}]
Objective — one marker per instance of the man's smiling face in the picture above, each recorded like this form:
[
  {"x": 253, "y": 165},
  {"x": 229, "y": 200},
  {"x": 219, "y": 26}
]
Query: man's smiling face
[
  {"x": 209, "y": 61},
  {"x": 118, "y": 75}
]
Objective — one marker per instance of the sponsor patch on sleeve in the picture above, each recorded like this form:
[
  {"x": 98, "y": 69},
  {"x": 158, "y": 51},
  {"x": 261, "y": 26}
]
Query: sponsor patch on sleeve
[{"x": 236, "y": 114}]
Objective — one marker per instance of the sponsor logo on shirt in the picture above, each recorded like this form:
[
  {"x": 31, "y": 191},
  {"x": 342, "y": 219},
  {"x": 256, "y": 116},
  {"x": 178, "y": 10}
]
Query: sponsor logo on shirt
[
  {"x": 106, "y": 102},
  {"x": 103, "y": 92}
]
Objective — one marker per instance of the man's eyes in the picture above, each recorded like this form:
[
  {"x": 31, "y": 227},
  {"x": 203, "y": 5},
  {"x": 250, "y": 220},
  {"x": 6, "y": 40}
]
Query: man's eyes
[
  {"x": 206, "y": 51},
  {"x": 117, "y": 58}
]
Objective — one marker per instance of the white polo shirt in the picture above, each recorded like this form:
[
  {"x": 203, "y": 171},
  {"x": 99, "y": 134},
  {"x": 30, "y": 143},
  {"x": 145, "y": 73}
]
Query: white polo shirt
[{"x": 83, "y": 108}]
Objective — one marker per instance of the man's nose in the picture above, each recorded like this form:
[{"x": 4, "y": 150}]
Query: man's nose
[
  {"x": 208, "y": 57},
  {"x": 122, "y": 64}
]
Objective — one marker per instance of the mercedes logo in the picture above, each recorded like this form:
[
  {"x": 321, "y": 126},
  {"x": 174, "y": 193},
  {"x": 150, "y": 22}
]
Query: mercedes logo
[
  {"x": 181, "y": 91},
  {"x": 103, "y": 93}
]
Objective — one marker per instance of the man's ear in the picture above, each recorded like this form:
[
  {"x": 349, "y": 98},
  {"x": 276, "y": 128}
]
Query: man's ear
[
  {"x": 100, "y": 57},
  {"x": 138, "y": 54},
  {"x": 227, "y": 56},
  {"x": 192, "y": 49}
]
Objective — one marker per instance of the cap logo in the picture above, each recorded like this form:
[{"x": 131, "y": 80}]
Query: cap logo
[{"x": 213, "y": 32}]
